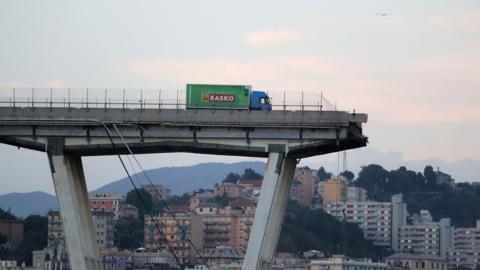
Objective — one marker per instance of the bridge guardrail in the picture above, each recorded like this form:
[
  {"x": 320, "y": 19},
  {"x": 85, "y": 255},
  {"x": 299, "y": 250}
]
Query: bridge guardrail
[{"x": 142, "y": 99}]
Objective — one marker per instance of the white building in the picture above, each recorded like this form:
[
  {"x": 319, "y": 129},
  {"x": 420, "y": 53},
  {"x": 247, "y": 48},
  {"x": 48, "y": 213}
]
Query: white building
[
  {"x": 356, "y": 194},
  {"x": 433, "y": 238},
  {"x": 340, "y": 262},
  {"x": 378, "y": 220},
  {"x": 466, "y": 251}
]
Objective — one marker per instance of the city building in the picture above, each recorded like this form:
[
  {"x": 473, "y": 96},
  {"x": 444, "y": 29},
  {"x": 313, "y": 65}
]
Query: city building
[
  {"x": 305, "y": 176},
  {"x": 158, "y": 192},
  {"x": 416, "y": 261},
  {"x": 51, "y": 258},
  {"x": 340, "y": 262},
  {"x": 399, "y": 218},
  {"x": 379, "y": 221},
  {"x": 227, "y": 189},
  {"x": 221, "y": 255},
  {"x": 466, "y": 250},
  {"x": 200, "y": 198},
  {"x": 250, "y": 188},
  {"x": 102, "y": 221},
  {"x": 432, "y": 238},
  {"x": 206, "y": 209},
  {"x": 356, "y": 194},
  {"x": 334, "y": 190},
  {"x": 104, "y": 228},
  {"x": 55, "y": 229},
  {"x": 127, "y": 211},
  {"x": 230, "y": 227},
  {"x": 289, "y": 261},
  {"x": 13, "y": 230},
  {"x": 106, "y": 202},
  {"x": 10, "y": 265},
  {"x": 180, "y": 232},
  {"x": 444, "y": 179},
  {"x": 244, "y": 204}
]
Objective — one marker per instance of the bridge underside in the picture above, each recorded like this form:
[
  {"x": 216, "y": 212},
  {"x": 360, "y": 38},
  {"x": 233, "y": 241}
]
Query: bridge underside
[{"x": 282, "y": 137}]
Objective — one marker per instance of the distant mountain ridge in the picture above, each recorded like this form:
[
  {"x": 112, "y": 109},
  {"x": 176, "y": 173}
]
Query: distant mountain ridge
[
  {"x": 24, "y": 204},
  {"x": 184, "y": 179},
  {"x": 178, "y": 179}
]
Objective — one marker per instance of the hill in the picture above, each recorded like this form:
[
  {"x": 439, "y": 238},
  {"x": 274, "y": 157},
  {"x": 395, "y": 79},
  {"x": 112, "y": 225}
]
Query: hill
[
  {"x": 184, "y": 179},
  {"x": 24, "y": 204}
]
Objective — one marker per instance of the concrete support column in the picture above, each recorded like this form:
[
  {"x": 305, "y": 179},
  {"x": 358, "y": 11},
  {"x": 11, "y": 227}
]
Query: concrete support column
[
  {"x": 270, "y": 211},
  {"x": 71, "y": 190}
]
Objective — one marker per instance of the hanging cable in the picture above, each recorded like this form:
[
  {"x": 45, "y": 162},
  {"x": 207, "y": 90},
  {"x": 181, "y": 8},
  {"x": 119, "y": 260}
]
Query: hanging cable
[
  {"x": 162, "y": 234},
  {"x": 169, "y": 211}
]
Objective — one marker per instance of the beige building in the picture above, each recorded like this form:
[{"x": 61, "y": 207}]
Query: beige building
[
  {"x": 230, "y": 227},
  {"x": 334, "y": 190},
  {"x": 307, "y": 181},
  {"x": 340, "y": 262},
  {"x": 179, "y": 232},
  {"x": 227, "y": 189},
  {"x": 416, "y": 262}
]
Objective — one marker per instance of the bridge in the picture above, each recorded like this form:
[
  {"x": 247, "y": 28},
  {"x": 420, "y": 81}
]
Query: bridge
[{"x": 66, "y": 133}]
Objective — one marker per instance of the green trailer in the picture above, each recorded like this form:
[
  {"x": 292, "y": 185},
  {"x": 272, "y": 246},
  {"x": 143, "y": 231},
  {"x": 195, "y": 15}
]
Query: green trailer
[{"x": 211, "y": 96}]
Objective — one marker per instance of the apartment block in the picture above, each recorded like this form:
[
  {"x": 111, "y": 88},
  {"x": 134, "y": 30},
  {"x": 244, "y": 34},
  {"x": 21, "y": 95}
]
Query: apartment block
[
  {"x": 356, "y": 194},
  {"x": 466, "y": 251},
  {"x": 180, "y": 232},
  {"x": 105, "y": 202},
  {"x": 378, "y": 220},
  {"x": 227, "y": 189},
  {"x": 410, "y": 261},
  {"x": 158, "y": 192},
  {"x": 104, "y": 228},
  {"x": 102, "y": 221},
  {"x": 229, "y": 227},
  {"x": 334, "y": 190},
  {"x": 340, "y": 262},
  {"x": 307, "y": 180},
  {"x": 431, "y": 238}
]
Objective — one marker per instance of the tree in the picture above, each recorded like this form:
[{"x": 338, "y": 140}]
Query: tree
[
  {"x": 128, "y": 233},
  {"x": 6, "y": 215},
  {"x": 3, "y": 239},
  {"x": 250, "y": 174},
  {"x": 34, "y": 238},
  {"x": 174, "y": 200},
  {"x": 323, "y": 175},
  {"x": 231, "y": 178},
  {"x": 430, "y": 176},
  {"x": 143, "y": 203},
  {"x": 348, "y": 174},
  {"x": 305, "y": 229}
]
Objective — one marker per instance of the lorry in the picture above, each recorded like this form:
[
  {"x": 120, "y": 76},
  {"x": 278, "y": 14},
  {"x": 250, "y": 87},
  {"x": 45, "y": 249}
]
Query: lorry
[{"x": 233, "y": 97}]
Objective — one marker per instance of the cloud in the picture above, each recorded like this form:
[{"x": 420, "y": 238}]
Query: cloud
[
  {"x": 465, "y": 21},
  {"x": 409, "y": 92},
  {"x": 265, "y": 71},
  {"x": 44, "y": 84},
  {"x": 266, "y": 38}
]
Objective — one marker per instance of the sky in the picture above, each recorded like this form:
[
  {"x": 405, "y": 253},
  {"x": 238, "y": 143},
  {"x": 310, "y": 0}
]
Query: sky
[{"x": 415, "y": 72}]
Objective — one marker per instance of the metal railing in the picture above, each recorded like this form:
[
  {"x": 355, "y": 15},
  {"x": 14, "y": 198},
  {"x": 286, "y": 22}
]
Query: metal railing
[{"x": 142, "y": 99}]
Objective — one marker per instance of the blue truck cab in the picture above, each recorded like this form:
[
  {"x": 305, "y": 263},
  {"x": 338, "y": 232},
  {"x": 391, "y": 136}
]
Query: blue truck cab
[{"x": 259, "y": 100}]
